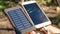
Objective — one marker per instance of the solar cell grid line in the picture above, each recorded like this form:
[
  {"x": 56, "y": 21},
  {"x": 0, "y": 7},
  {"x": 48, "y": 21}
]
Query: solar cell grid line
[
  {"x": 23, "y": 19},
  {"x": 17, "y": 25},
  {"x": 15, "y": 22},
  {"x": 19, "y": 13}
]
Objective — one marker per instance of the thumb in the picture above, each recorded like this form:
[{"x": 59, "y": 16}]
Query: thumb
[{"x": 50, "y": 32}]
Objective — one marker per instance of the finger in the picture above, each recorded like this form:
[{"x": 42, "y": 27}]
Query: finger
[
  {"x": 27, "y": 32},
  {"x": 43, "y": 31},
  {"x": 50, "y": 32},
  {"x": 32, "y": 32}
]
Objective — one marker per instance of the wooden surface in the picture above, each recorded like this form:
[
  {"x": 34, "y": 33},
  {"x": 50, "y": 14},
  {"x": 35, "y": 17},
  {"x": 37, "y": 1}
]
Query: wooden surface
[
  {"x": 53, "y": 28},
  {"x": 50, "y": 11},
  {"x": 5, "y": 25},
  {"x": 6, "y": 32}
]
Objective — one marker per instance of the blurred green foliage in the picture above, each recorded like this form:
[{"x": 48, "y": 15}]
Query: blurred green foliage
[
  {"x": 48, "y": 2},
  {"x": 39, "y": 1},
  {"x": 5, "y": 4},
  {"x": 45, "y": 2},
  {"x": 1, "y": 13},
  {"x": 56, "y": 20}
]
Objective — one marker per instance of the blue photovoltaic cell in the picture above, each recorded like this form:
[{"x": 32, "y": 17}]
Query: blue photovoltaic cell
[
  {"x": 35, "y": 13},
  {"x": 19, "y": 19}
]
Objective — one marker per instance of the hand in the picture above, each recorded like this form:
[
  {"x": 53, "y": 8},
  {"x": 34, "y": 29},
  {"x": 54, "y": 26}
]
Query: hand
[
  {"x": 41, "y": 30},
  {"x": 32, "y": 32},
  {"x": 46, "y": 32}
]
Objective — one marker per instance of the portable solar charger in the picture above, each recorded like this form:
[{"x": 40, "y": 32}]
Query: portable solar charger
[
  {"x": 36, "y": 14},
  {"x": 19, "y": 20}
]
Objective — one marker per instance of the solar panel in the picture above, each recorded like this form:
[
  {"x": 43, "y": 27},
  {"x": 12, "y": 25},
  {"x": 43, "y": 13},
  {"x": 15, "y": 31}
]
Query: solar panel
[
  {"x": 19, "y": 19},
  {"x": 35, "y": 13}
]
